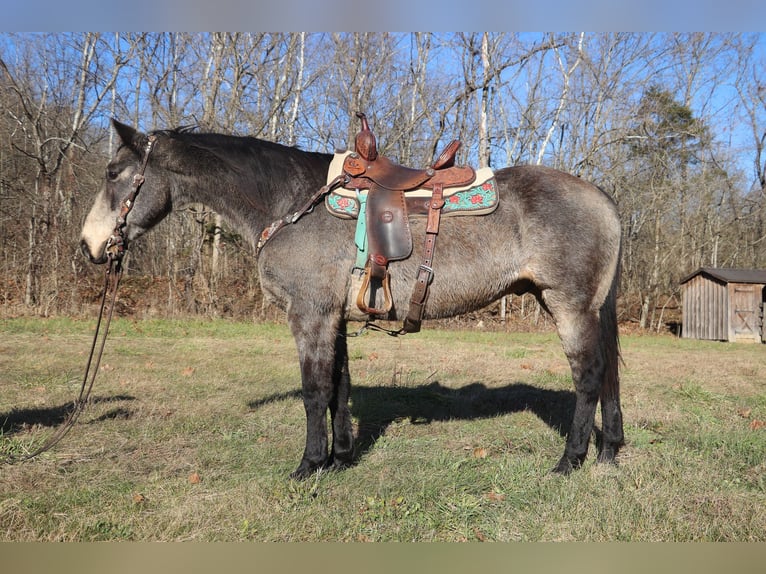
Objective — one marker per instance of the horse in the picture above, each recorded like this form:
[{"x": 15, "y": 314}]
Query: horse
[{"x": 553, "y": 235}]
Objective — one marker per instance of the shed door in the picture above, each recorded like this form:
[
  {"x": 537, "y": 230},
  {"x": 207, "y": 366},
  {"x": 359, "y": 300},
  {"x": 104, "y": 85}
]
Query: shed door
[{"x": 745, "y": 312}]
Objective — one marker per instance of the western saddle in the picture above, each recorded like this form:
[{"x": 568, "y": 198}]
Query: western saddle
[{"x": 383, "y": 218}]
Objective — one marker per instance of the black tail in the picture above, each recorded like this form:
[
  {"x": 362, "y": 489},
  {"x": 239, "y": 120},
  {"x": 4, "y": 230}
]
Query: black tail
[
  {"x": 611, "y": 413},
  {"x": 610, "y": 342}
]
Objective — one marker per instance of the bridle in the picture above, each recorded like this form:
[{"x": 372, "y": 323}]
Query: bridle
[
  {"x": 117, "y": 242},
  {"x": 115, "y": 248}
]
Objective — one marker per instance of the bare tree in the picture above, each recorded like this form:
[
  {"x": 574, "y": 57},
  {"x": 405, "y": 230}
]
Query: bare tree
[
  {"x": 751, "y": 91},
  {"x": 660, "y": 121},
  {"x": 52, "y": 135},
  {"x": 567, "y": 70}
]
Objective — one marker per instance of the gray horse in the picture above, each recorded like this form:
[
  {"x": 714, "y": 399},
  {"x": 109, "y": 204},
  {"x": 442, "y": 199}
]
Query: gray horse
[{"x": 553, "y": 235}]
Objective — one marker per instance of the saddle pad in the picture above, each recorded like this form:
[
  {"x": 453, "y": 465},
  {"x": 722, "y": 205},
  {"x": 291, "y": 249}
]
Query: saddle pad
[{"x": 477, "y": 198}]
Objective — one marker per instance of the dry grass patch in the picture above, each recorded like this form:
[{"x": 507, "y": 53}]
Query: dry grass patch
[{"x": 197, "y": 425}]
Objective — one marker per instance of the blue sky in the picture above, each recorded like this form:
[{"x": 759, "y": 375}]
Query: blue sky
[{"x": 393, "y": 15}]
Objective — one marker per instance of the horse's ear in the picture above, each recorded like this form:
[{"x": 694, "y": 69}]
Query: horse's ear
[{"x": 130, "y": 136}]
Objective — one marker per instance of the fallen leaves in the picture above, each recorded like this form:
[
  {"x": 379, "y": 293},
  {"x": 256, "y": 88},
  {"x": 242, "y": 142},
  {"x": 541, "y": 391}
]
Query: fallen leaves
[
  {"x": 480, "y": 452},
  {"x": 195, "y": 478},
  {"x": 755, "y": 424},
  {"x": 745, "y": 412}
]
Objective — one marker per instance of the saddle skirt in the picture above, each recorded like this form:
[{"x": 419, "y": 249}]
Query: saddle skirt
[{"x": 477, "y": 198}]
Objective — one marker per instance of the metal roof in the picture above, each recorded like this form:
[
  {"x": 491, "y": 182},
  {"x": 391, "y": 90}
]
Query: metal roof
[{"x": 729, "y": 275}]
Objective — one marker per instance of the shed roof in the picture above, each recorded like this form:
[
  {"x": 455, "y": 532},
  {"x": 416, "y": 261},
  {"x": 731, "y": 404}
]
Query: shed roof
[{"x": 730, "y": 275}]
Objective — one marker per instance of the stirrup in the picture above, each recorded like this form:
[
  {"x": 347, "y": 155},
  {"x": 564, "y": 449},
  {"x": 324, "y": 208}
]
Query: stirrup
[{"x": 365, "y": 288}]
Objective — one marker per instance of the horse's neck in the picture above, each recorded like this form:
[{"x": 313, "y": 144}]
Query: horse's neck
[{"x": 258, "y": 195}]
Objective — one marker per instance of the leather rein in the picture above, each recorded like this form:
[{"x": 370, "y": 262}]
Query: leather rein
[{"x": 116, "y": 246}]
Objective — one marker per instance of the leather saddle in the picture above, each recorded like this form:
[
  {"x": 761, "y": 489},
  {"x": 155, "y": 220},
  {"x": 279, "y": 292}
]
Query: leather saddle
[{"x": 385, "y": 217}]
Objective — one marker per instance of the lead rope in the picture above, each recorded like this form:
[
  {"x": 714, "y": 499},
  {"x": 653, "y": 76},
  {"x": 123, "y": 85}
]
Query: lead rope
[
  {"x": 111, "y": 282},
  {"x": 115, "y": 250}
]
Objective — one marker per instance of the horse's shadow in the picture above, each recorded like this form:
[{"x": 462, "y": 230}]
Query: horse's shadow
[
  {"x": 18, "y": 420},
  {"x": 375, "y": 408}
]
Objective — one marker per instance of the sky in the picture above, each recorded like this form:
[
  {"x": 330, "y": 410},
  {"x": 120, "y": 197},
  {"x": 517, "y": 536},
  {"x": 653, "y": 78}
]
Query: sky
[{"x": 391, "y": 15}]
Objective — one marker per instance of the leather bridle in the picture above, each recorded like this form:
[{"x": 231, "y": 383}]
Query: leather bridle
[{"x": 117, "y": 242}]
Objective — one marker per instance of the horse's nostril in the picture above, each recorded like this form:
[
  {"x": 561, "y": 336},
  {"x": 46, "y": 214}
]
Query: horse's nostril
[
  {"x": 87, "y": 253},
  {"x": 84, "y": 249}
]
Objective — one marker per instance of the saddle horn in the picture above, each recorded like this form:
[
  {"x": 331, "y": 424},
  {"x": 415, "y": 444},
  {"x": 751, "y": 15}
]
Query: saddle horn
[{"x": 365, "y": 140}]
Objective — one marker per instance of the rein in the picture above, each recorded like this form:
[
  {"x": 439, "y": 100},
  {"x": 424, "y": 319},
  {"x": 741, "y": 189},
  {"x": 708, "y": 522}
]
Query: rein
[
  {"x": 290, "y": 218},
  {"x": 116, "y": 246}
]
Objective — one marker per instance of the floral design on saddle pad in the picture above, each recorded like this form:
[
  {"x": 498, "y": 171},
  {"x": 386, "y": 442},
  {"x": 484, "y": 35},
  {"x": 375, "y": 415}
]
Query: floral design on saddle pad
[{"x": 481, "y": 197}]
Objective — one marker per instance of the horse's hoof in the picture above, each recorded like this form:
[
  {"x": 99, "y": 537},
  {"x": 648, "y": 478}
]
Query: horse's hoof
[
  {"x": 340, "y": 461},
  {"x": 305, "y": 470},
  {"x": 566, "y": 466},
  {"x": 299, "y": 474},
  {"x": 608, "y": 455},
  {"x": 339, "y": 465}
]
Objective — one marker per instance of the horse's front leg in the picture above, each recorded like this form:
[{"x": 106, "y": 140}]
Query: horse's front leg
[
  {"x": 342, "y": 453},
  {"x": 325, "y": 383}
]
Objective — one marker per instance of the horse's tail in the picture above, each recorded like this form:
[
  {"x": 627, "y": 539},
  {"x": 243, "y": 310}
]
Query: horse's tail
[{"x": 610, "y": 339}]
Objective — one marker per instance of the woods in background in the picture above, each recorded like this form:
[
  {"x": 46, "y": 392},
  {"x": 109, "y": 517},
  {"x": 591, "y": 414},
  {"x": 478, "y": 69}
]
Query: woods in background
[{"x": 672, "y": 126}]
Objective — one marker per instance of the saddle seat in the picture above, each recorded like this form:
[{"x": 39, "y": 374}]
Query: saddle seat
[
  {"x": 385, "y": 173},
  {"x": 381, "y": 195}
]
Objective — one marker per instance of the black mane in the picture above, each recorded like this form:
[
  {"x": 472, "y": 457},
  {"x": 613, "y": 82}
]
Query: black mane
[{"x": 236, "y": 162}]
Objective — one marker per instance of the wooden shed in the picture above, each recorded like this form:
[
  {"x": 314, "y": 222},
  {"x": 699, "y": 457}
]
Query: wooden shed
[{"x": 724, "y": 304}]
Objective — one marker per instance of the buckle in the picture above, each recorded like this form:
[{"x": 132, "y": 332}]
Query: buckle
[{"x": 428, "y": 270}]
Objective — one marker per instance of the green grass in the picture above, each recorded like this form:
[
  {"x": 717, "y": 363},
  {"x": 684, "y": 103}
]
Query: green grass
[{"x": 458, "y": 431}]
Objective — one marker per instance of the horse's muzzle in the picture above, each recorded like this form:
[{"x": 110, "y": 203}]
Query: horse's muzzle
[{"x": 93, "y": 259}]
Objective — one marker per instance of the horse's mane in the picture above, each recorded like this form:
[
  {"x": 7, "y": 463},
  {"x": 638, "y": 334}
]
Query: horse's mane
[
  {"x": 244, "y": 161},
  {"x": 217, "y": 143},
  {"x": 191, "y": 128}
]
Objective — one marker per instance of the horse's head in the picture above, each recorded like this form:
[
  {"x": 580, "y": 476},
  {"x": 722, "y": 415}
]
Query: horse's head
[{"x": 152, "y": 204}]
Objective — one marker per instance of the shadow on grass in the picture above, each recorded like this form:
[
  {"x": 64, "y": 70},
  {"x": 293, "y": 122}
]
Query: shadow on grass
[
  {"x": 377, "y": 407},
  {"x": 19, "y": 420}
]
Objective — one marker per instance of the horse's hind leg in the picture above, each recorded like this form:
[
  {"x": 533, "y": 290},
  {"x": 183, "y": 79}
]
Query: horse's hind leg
[
  {"x": 580, "y": 336},
  {"x": 611, "y": 413},
  {"x": 611, "y": 425}
]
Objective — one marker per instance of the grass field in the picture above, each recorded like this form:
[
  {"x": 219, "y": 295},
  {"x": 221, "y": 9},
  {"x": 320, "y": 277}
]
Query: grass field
[{"x": 196, "y": 425}]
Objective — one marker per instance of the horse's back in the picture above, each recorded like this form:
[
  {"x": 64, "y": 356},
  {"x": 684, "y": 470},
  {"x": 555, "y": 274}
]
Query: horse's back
[
  {"x": 550, "y": 230},
  {"x": 567, "y": 229},
  {"x": 538, "y": 191}
]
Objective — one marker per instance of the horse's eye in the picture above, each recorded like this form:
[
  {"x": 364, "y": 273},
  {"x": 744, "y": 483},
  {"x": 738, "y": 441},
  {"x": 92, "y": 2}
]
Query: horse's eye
[{"x": 111, "y": 175}]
